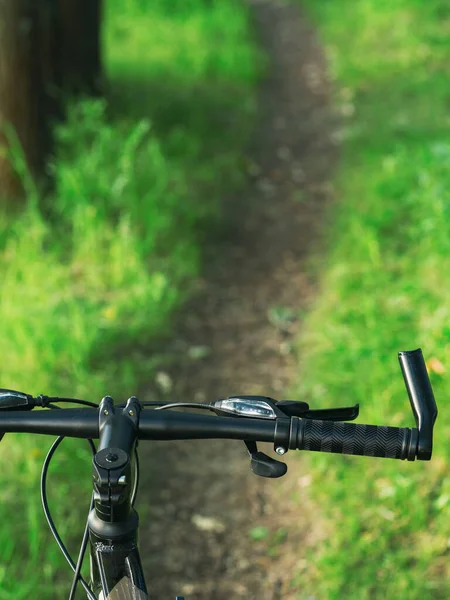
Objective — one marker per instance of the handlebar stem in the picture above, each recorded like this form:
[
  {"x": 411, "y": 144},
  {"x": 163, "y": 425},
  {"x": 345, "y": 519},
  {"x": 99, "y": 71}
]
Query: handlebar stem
[{"x": 111, "y": 466}]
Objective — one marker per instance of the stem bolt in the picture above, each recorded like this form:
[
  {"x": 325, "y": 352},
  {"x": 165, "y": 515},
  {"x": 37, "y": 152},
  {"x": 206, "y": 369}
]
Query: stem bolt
[
  {"x": 111, "y": 457},
  {"x": 280, "y": 450},
  {"x": 131, "y": 413},
  {"x": 106, "y": 412}
]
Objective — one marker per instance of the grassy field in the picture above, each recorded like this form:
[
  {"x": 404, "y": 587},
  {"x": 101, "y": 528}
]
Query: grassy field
[
  {"x": 385, "y": 288},
  {"x": 92, "y": 274}
]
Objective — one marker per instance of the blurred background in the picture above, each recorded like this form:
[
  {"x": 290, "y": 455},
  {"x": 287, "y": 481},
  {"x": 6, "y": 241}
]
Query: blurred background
[{"x": 124, "y": 126}]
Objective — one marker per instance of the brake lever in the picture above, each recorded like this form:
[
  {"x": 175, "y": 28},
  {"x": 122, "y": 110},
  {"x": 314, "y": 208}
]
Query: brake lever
[
  {"x": 292, "y": 408},
  {"x": 264, "y": 465},
  {"x": 346, "y": 413}
]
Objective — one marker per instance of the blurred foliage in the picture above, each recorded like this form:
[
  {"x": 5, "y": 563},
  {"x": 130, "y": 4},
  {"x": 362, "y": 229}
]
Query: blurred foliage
[
  {"x": 386, "y": 287},
  {"x": 92, "y": 273}
]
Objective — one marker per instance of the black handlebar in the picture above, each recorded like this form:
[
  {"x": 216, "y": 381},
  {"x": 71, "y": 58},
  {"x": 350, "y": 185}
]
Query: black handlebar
[
  {"x": 153, "y": 425},
  {"x": 304, "y": 434},
  {"x": 279, "y": 424}
]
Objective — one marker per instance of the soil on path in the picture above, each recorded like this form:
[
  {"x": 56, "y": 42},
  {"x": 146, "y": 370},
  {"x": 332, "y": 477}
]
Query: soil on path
[{"x": 199, "y": 499}]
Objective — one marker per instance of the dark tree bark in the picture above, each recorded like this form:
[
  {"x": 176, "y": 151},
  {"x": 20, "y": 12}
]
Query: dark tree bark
[
  {"x": 48, "y": 49},
  {"x": 20, "y": 88},
  {"x": 80, "y": 46}
]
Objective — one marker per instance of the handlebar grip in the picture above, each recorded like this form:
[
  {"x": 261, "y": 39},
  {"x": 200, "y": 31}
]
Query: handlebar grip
[{"x": 363, "y": 440}]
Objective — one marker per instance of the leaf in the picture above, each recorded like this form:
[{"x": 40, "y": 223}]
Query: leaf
[
  {"x": 198, "y": 352},
  {"x": 434, "y": 365},
  {"x": 258, "y": 533}
]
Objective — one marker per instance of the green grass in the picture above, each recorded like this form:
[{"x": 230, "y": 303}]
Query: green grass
[
  {"x": 92, "y": 274},
  {"x": 385, "y": 288}
]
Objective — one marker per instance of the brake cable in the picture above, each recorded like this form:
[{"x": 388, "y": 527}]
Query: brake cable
[
  {"x": 49, "y": 518},
  {"x": 76, "y": 568},
  {"x": 49, "y": 403},
  {"x": 185, "y": 405}
]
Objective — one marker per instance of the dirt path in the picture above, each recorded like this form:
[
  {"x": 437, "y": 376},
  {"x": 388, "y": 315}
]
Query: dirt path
[{"x": 199, "y": 499}]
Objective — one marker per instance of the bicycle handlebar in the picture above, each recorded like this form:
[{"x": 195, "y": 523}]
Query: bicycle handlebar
[
  {"x": 304, "y": 434},
  {"x": 286, "y": 424}
]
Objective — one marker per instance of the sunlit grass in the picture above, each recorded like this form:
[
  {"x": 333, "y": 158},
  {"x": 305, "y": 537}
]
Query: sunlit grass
[{"x": 386, "y": 288}]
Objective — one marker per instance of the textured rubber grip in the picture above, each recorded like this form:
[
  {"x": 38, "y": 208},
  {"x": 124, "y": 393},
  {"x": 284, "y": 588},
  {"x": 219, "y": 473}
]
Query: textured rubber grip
[{"x": 351, "y": 438}]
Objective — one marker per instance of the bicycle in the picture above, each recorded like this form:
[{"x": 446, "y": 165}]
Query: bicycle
[{"x": 112, "y": 526}]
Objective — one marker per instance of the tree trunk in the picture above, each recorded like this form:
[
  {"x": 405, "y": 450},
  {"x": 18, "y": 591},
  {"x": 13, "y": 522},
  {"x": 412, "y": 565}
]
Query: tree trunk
[
  {"x": 45, "y": 46},
  {"x": 21, "y": 90}
]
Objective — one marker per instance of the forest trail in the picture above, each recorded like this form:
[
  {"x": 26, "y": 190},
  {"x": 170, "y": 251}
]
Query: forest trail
[{"x": 199, "y": 500}]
